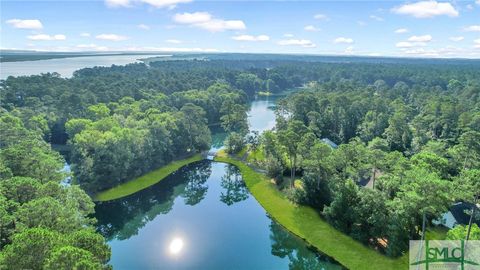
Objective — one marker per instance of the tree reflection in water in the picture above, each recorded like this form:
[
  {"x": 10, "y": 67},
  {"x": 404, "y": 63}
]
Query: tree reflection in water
[
  {"x": 190, "y": 186},
  {"x": 123, "y": 218},
  {"x": 235, "y": 188},
  {"x": 197, "y": 187},
  {"x": 285, "y": 244}
]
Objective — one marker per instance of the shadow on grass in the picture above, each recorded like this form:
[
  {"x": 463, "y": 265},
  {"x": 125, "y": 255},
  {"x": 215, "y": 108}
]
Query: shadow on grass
[
  {"x": 145, "y": 180},
  {"x": 306, "y": 223}
]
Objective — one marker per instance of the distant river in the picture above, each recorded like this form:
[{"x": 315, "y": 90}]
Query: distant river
[{"x": 66, "y": 66}]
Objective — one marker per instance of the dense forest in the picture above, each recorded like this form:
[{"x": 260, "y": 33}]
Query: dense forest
[
  {"x": 43, "y": 223},
  {"x": 411, "y": 130},
  {"x": 120, "y": 140},
  {"x": 409, "y": 146}
]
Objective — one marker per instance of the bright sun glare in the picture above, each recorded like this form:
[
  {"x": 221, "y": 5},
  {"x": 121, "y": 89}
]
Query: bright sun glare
[{"x": 176, "y": 246}]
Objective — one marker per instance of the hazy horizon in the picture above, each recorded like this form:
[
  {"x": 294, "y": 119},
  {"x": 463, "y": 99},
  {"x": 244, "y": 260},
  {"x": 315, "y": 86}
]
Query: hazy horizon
[{"x": 432, "y": 29}]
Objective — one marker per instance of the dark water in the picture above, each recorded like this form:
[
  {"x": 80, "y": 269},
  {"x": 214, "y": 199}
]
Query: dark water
[{"x": 201, "y": 217}]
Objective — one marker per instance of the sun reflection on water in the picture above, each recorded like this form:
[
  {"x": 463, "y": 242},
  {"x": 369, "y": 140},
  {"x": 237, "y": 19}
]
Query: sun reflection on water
[{"x": 175, "y": 246}]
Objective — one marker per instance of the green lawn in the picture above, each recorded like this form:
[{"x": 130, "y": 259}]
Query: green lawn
[
  {"x": 242, "y": 152},
  {"x": 256, "y": 156},
  {"x": 264, "y": 93},
  {"x": 144, "y": 181},
  {"x": 305, "y": 222},
  {"x": 436, "y": 233}
]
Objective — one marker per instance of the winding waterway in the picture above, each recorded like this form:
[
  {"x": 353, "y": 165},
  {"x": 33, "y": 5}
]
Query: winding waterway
[{"x": 203, "y": 217}]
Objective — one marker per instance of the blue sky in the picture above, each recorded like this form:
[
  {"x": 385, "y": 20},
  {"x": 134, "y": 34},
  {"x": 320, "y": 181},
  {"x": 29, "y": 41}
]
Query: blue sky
[{"x": 385, "y": 28}]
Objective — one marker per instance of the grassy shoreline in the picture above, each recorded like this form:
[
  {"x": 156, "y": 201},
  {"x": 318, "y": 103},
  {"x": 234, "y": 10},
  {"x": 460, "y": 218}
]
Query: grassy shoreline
[
  {"x": 306, "y": 223},
  {"x": 145, "y": 180}
]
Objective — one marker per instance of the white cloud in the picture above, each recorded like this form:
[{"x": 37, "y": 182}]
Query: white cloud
[
  {"x": 477, "y": 2},
  {"x": 192, "y": 18},
  {"x": 376, "y": 18},
  {"x": 469, "y": 7},
  {"x": 251, "y": 38},
  {"x": 174, "y": 49},
  {"x": 143, "y": 26},
  {"x": 323, "y": 17},
  {"x": 427, "y": 9},
  {"x": 456, "y": 39},
  {"x": 349, "y": 50},
  {"x": 311, "y": 28},
  {"x": 173, "y": 41},
  {"x": 85, "y": 34},
  {"x": 117, "y": 3},
  {"x": 422, "y": 52},
  {"x": 25, "y": 24},
  {"x": 218, "y": 25},
  {"x": 477, "y": 43},
  {"x": 297, "y": 42},
  {"x": 111, "y": 37},
  {"x": 472, "y": 28},
  {"x": 206, "y": 21},
  {"x": 92, "y": 47},
  {"x": 445, "y": 52},
  {"x": 401, "y": 31},
  {"x": 287, "y": 35},
  {"x": 424, "y": 38},
  {"x": 343, "y": 40},
  {"x": 361, "y": 23},
  {"x": 44, "y": 37},
  {"x": 155, "y": 3},
  {"x": 165, "y": 3},
  {"x": 406, "y": 44}
]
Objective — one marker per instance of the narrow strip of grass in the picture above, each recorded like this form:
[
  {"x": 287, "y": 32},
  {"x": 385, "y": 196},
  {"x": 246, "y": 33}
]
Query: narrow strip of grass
[
  {"x": 242, "y": 152},
  {"x": 306, "y": 223},
  {"x": 264, "y": 93},
  {"x": 436, "y": 233},
  {"x": 256, "y": 156},
  {"x": 145, "y": 180}
]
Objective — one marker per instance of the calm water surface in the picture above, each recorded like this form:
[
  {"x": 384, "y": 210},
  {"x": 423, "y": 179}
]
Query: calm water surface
[
  {"x": 65, "y": 66},
  {"x": 201, "y": 217},
  {"x": 261, "y": 116}
]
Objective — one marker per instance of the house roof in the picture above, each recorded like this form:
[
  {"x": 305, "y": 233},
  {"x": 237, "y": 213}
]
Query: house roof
[
  {"x": 458, "y": 211},
  {"x": 330, "y": 143},
  {"x": 368, "y": 182},
  {"x": 365, "y": 182}
]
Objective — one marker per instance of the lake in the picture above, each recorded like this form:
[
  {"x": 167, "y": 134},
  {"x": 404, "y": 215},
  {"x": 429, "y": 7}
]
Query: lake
[
  {"x": 203, "y": 217},
  {"x": 261, "y": 116},
  {"x": 200, "y": 217},
  {"x": 66, "y": 66}
]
